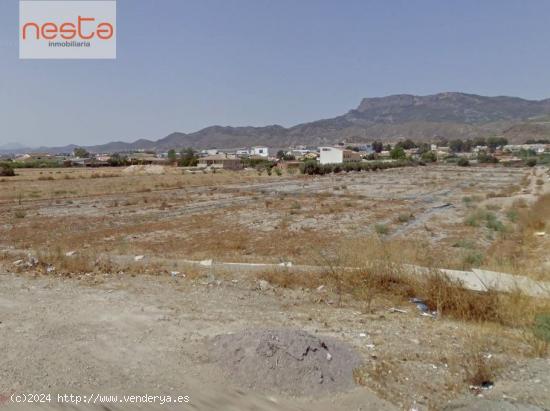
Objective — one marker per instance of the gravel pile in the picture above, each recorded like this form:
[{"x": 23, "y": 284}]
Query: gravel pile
[{"x": 284, "y": 360}]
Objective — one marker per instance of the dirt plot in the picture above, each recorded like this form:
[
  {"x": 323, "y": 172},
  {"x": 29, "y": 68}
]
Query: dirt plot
[
  {"x": 91, "y": 269},
  {"x": 152, "y": 335},
  {"x": 233, "y": 216}
]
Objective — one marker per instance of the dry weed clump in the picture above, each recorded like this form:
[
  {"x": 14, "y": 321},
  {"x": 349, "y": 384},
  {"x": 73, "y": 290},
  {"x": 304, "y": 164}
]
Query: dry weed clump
[
  {"x": 519, "y": 251},
  {"x": 376, "y": 269}
]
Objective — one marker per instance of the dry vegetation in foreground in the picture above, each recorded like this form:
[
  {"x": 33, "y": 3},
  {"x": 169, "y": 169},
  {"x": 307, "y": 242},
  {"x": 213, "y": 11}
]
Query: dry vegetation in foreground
[
  {"x": 382, "y": 275},
  {"x": 520, "y": 250}
]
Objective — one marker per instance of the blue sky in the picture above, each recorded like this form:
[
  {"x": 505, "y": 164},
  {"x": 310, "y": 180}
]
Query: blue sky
[{"x": 186, "y": 64}]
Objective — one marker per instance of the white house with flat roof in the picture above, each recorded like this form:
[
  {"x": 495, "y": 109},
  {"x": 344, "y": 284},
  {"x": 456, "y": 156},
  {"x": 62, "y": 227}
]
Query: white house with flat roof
[
  {"x": 334, "y": 155},
  {"x": 259, "y": 151}
]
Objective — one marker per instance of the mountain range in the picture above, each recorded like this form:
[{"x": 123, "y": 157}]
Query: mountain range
[{"x": 448, "y": 115}]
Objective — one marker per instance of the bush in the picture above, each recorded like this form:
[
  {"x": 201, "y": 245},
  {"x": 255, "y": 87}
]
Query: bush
[
  {"x": 491, "y": 221},
  {"x": 20, "y": 214},
  {"x": 429, "y": 157},
  {"x": 405, "y": 217},
  {"x": 483, "y": 157},
  {"x": 463, "y": 162},
  {"x": 532, "y": 162},
  {"x": 381, "y": 229},
  {"x": 398, "y": 153},
  {"x": 312, "y": 167},
  {"x": 541, "y": 329},
  {"x": 6, "y": 170}
]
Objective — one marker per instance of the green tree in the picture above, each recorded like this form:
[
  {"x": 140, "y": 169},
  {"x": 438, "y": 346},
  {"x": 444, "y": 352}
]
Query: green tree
[
  {"x": 172, "y": 155},
  {"x": 398, "y": 153},
  {"x": 116, "y": 160},
  {"x": 6, "y": 170},
  {"x": 494, "y": 142},
  {"x": 483, "y": 157},
  {"x": 429, "y": 157},
  {"x": 377, "y": 146},
  {"x": 456, "y": 146},
  {"x": 81, "y": 152},
  {"x": 406, "y": 144},
  {"x": 188, "y": 158}
]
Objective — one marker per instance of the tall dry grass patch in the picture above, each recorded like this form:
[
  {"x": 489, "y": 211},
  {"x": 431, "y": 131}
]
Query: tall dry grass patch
[
  {"x": 373, "y": 269},
  {"x": 521, "y": 251}
]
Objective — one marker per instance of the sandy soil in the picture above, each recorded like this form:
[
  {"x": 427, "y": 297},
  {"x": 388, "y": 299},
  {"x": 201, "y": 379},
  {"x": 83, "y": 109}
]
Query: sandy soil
[{"x": 135, "y": 335}]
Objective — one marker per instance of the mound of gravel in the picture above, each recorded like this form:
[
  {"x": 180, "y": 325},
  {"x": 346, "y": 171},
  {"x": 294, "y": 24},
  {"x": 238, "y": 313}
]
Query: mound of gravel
[
  {"x": 144, "y": 170},
  {"x": 284, "y": 360}
]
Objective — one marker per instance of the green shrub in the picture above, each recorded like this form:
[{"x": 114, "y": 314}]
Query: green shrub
[
  {"x": 404, "y": 217},
  {"x": 463, "y": 162},
  {"x": 312, "y": 167},
  {"x": 6, "y": 170},
  {"x": 483, "y": 157},
  {"x": 429, "y": 157},
  {"x": 541, "y": 328},
  {"x": 381, "y": 229},
  {"x": 512, "y": 215},
  {"x": 398, "y": 153},
  {"x": 473, "y": 259}
]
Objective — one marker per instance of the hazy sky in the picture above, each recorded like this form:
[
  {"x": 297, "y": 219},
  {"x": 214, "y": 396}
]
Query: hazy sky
[{"x": 186, "y": 64}]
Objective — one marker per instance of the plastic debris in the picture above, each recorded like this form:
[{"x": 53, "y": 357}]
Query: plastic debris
[
  {"x": 286, "y": 264},
  {"x": 175, "y": 273},
  {"x": 206, "y": 263},
  {"x": 420, "y": 304},
  {"x": 362, "y": 335},
  {"x": 320, "y": 288},
  {"x": 397, "y": 310},
  {"x": 50, "y": 269},
  {"x": 139, "y": 257},
  {"x": 18, "y": 262},
  {"x": 484, "y": 386},
  {"x": 423, "y": 308},
  {"x": 540, "y": 233},
  {"x": 70, "y": 253}
]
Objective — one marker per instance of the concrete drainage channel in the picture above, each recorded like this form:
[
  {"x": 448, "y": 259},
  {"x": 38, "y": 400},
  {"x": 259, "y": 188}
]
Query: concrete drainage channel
[{"x": 475, "y": 280}]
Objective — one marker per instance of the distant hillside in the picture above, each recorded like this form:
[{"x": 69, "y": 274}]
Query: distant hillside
[{"x": 422, "y": 118}]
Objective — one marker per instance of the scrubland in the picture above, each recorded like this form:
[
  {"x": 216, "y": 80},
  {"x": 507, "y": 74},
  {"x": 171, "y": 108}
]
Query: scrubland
[{"x": 85, "y": 228}]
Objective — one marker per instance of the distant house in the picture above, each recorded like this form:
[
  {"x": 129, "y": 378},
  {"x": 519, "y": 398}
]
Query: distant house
[
  {"x": 259, "y": 151},
  {"x": 210, "y": 152},
  {"x": 310, "y": 156},
  {"x": 334, "y": 155},
  {"x": 221, "y": 161}
]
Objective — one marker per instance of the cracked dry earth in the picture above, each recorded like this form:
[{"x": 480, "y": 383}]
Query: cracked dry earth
[{"x": 154, "y": 335}]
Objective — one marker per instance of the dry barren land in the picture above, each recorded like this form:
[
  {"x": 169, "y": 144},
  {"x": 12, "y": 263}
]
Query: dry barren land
[{"x": 97, "y": 294}]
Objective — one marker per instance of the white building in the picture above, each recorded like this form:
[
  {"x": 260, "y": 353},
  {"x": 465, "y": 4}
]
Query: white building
[
  {"x": 259, "y": 151},
  {"x": 210, "y": 152},
  {"x": 333, "y": 155}
]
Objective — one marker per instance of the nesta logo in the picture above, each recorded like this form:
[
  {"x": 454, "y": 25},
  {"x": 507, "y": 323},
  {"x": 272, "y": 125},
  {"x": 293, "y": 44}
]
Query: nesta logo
[{"x": 68, "y": 31}]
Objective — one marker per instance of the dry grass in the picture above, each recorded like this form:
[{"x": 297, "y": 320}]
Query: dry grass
[
  {"x": 381, "y": 274},
  {"x": 520, "y": 251}
]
